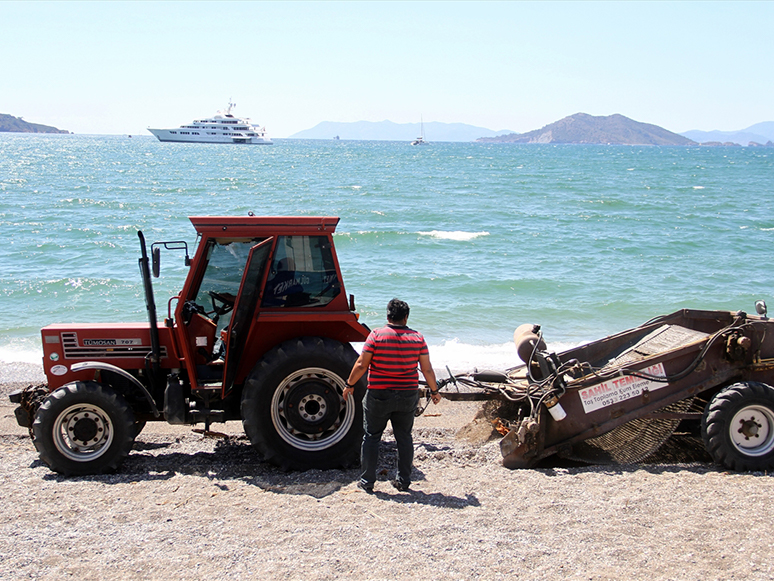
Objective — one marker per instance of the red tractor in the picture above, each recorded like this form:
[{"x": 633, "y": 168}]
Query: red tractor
[{"x": 261, "y": 332}]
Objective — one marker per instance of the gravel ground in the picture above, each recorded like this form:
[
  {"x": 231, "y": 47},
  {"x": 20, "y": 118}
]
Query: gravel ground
[{"x": 186, "y": 506}]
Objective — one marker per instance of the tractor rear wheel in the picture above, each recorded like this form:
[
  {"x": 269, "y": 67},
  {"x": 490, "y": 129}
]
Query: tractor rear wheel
[
  {"x": 293, "y": 409},
  {"x": 84, "y": 428},
  {"x": 738, "y": 427}
]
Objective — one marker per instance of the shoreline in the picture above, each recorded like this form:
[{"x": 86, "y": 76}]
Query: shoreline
[{"x": 18, "y": 375}]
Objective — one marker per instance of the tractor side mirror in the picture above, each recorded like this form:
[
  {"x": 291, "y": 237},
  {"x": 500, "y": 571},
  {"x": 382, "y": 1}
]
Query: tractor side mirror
[
  {"x": 156, "y": 261},
  {"x": 170, "y": 245}
]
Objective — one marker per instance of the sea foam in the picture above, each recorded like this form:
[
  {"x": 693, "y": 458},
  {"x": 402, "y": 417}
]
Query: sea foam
[
  {"x": 459, "y": 357},
  {"x": 21, "y": 351},
  {"x": 455, "y": 235}
]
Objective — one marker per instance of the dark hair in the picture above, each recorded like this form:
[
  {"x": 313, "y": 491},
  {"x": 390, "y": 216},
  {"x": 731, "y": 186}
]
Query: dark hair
[{"x": 397, "y": 310}]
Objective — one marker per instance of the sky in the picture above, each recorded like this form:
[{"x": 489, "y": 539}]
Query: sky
[{"x": 120, "y": 67}]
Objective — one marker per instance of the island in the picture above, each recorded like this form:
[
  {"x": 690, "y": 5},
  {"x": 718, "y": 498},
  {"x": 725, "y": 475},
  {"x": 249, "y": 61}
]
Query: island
[
  {"x": 11, "y": 124},
  {"x": 583, "y": 128}
]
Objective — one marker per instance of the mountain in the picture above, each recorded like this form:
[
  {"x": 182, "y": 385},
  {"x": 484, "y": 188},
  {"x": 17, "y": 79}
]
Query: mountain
[
  {"x": 9, "y": 123},
  {"x": 584, "y": 128},
  {"x": 389, "y": 131},
  {"x": 758, "y": 133},
  {"x": 765, "y": 129}
]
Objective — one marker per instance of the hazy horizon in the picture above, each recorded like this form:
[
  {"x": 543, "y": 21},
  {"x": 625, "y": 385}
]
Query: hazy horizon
[{"x": 120, "y": 67}]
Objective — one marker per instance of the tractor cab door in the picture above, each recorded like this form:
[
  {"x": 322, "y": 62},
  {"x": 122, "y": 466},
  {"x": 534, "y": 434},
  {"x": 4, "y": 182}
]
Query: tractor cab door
[{"x": 244, "y": 309}]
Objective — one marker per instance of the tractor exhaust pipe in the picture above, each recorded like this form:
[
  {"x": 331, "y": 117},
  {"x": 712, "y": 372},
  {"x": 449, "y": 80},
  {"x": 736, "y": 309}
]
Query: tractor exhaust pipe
[{"x": 150, "y": 304}]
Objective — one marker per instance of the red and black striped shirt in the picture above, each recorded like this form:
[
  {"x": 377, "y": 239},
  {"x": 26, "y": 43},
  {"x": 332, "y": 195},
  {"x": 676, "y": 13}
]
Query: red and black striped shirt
[{"x": 395, "y": 354}]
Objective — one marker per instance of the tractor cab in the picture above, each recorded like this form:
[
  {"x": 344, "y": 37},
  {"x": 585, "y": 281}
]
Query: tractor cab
[{"x": 244, "y": 275}]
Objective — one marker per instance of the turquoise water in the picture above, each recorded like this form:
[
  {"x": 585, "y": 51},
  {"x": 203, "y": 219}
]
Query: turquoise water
[{"x": 584, "y": 240}]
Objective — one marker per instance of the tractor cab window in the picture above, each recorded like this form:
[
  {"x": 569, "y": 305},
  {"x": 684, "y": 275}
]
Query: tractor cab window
[
  {"x": 302, "y": 273},
  {"x": 220, "y": 284}
]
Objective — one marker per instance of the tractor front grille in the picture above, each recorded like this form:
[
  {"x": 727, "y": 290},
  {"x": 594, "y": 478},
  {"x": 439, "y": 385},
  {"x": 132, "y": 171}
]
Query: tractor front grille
[{"x": 109, "y": 348}]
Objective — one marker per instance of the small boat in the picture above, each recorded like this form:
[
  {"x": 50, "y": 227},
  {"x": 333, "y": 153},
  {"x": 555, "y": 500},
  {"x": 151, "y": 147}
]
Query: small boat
[
  {"x": 421, "y": 139},
  {"x": 222, "y": 128}
]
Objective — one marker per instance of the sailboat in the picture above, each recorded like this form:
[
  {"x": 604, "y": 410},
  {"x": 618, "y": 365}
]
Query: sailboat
[{"x": 421, "y": 139}]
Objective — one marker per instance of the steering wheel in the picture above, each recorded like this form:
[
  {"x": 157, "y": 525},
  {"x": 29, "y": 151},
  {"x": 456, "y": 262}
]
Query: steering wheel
[{"x": 227, "y": 303}]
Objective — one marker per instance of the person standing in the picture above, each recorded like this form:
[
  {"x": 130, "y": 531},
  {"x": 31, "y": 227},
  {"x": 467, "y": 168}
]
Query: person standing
[{"x": 390, "y": 355}]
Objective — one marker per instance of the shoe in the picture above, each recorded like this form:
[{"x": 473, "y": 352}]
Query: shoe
[
  {"x": 400, "y": 486},
  {"x": 365, "y": 487}
]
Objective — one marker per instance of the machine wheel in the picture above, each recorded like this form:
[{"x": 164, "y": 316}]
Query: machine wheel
[
  {"x": 293, "y": 410},
  {"x": 738, "y": 427},
  {"x": 84, "y": 428}
]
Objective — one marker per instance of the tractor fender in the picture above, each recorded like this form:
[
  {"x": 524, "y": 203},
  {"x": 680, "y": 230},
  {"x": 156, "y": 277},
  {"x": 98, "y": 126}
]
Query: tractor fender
[{"x": 96, "y": 365}]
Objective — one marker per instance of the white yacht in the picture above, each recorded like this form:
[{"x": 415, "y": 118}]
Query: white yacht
[{"x": 222, "y": 128}]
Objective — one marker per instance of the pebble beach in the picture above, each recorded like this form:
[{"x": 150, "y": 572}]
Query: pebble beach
[{"x": 185, "y": 505}]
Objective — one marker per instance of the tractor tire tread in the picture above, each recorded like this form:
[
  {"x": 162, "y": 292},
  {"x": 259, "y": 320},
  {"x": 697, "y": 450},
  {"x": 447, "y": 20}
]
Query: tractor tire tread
[
  {"x": 256, "y": 418},
  {"x": 84, "y": 391}
]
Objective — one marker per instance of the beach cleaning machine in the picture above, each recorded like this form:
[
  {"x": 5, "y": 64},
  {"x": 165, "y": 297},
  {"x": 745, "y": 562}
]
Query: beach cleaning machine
[{"x": 620, "y": 398}]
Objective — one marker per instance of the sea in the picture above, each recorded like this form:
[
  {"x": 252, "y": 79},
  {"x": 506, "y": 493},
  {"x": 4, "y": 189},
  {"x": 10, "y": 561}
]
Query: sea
[{"x": 583, "y": 240}]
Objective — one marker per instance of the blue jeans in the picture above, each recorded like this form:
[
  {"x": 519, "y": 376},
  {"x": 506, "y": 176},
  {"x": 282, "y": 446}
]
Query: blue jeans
[{"x": 397, "y": 407}]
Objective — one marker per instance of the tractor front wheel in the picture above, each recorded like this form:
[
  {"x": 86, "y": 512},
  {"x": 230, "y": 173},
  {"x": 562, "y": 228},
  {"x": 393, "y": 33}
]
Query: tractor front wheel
[
  {"x": 293, "y": 409},
  {"x": 738, "y": 427},
  {"x": 84, "y": 428}
]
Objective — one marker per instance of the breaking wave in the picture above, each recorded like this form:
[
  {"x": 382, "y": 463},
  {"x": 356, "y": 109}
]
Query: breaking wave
[{"x": 455, "y": 235}]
